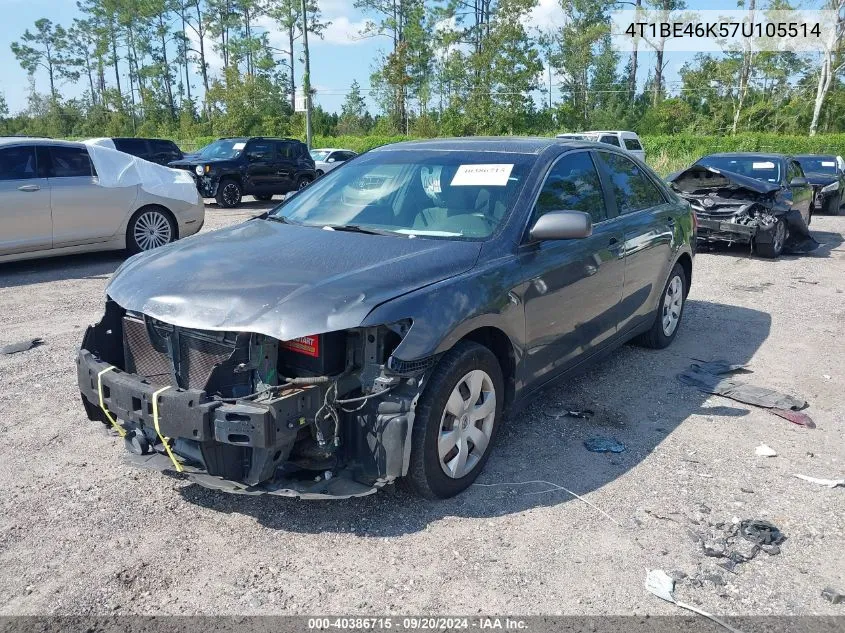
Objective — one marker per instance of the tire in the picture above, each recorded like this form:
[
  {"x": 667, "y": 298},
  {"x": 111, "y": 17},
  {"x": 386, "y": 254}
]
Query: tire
[
  {"x": 773, "y": 249},
  {"x": 672, "y": 300},
  {"x": 229, "y": 193},
  {"x": 302, "y": 182},
  {"x": 149, "y": 228},
  {"x": 450, "y": 381},
  {"x": 263, "y": 197},
  {"x": 319, "y": 173},
  {"x": 832, "y": 204}
]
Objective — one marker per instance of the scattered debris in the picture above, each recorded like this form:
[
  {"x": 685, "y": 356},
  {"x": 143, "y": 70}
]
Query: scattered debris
[
  {"x": 765, "y": 451},
  {"x": 563, "y": 411},
  {"x": 604, "y": 445},
  {"x": 826, "y": 376},
  {"x": 830, "y": 483},
  {"x": 22, "y": 346},
  {"x": 724, "y": 541},
  {"x": 709, "y": 377},
  {"x": 748, "y": 491},
  {"x": 661, "y": 584},
  {"x": 832, "y": 596}
]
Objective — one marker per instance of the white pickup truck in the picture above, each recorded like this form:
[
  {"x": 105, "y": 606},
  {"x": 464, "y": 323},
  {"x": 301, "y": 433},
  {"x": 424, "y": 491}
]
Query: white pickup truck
[{"x": 626, "y": 140}]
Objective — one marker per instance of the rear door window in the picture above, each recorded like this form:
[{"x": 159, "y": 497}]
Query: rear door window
[
  {"x": 17, "y": 163},
  {"x": 632, "y": 144},
  {"x": 165, "y": 149},
  {"x": 262, "y": 150},
  {"x": 573, "y": 184},
  {"x": 70, "y": 162},
  {"x": 633, "y": 189},
  {"x": 609, "y": 139},
  {"x": 286, "y": 150}
]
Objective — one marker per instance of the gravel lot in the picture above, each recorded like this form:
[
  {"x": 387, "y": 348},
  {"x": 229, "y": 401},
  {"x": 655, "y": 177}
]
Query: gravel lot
[{"x": 83, "y": 533}]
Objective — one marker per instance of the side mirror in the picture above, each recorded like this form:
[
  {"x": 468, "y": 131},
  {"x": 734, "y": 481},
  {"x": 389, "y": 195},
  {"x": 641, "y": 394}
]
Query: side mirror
[
  {"x": 562, "y": 225},
  {"x": 331, "y": 160},
  {"x": 799, "y": 181}
]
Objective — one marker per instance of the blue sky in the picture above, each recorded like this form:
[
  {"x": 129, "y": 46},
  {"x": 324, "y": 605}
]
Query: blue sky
[{"x": 335, "y": 61}]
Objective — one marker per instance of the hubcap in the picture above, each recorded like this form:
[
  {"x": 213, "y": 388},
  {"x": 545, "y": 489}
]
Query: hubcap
[
  {"x": 466, "y": 424},
  {"x": 152, "y": 230},
  {"x": 303, "y": 183},
  {"x": 230, "y": 193},
  {"x": 672, "y": 304}
]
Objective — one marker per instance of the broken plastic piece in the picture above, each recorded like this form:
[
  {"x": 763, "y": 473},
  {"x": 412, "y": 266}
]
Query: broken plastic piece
[
  {"x": 796, "y": 417},
  {"x": 22, "y": 346},
  {"x": 707, "y": 377},
  {"x": 832, "y": 596},
  {"x": 765, "y": 451},
  {"x": 604, "y": 445},
  {"x": 761, "y": 532},
  {"x": 660, "y": 584},
  {"x": 829, "y": 483}
]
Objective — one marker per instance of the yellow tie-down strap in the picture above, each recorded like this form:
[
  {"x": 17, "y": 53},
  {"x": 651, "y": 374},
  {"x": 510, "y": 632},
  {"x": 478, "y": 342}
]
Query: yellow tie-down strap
[
  {"x": 163, "y": 439},
  {"x": 114, "y": 423}
]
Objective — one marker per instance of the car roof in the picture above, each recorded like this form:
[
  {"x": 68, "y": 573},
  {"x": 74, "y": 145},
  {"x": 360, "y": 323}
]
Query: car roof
[
  {"x": 746, "y": 155},
  {"x": 331, "y": 149},
  {"x": 610, "y": 132},
  {"x": 36, "y": 140},
  {"x": 800, "y": 156},
  {"x": 511, "y": 144}
]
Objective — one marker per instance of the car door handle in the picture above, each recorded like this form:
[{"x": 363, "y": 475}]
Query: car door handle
[
  {"x": 615, "y": 247},
  {"x": 29, "y": 188}
]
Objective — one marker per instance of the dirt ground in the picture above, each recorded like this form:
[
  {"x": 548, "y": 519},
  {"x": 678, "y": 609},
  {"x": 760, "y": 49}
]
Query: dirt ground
[{"x": 83, "y": 533}]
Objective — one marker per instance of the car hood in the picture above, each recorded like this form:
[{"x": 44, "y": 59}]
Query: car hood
[
  {"x": 698, "y": 174},
  {"x": 193, "y": 161},
  {"x": 282, "y": 280},
  {"x": 815, "y": 178}
]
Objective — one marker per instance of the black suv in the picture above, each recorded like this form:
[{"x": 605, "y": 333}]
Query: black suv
[
  {"x": 230, "y": 168},
  {"x": 155, "y": 150}
]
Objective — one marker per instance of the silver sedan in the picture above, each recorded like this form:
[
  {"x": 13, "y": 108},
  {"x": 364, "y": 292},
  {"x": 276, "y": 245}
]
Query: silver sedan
[{"x": 60, "y": 197}]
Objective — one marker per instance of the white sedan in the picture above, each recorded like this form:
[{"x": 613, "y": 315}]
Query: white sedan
[
  {"x": 327, "y": 159},
  {"x": 59, "y": 197}
]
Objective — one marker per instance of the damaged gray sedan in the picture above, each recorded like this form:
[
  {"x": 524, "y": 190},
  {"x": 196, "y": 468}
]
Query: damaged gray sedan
[
  {"x": 377, "y": 324},
  {"x": 763, "y": 200}
]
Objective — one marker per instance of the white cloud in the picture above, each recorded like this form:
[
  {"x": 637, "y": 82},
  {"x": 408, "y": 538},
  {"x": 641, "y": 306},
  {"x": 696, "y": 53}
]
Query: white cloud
[
  {"x": 343, "y": 31},
  {"x": 548, "y": 14}
]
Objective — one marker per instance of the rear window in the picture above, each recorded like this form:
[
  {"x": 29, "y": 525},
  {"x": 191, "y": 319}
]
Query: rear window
[
  {"x": 164, "y": 147},
  {"x": 134, "y": 146},
  {"x": 609, "y": 140},
  {"x": 633, "y": 144},
  {"x": 70, "y": 162}
]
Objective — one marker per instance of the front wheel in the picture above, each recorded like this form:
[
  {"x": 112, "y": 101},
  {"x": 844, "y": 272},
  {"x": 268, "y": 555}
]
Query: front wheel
[
  {"x": 669, "y": 311},
  {"x": 229, "y": 193},
  {"x": 149, "y": 228},
  {"x": 832, "y": 204},
  {"x": 456, "y": 421},
  {"x": 773, "y": 249}
]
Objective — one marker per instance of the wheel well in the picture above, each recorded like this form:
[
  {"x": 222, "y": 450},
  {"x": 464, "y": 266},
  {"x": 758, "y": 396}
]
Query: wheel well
[
  {"x": 498, "y": 342},
  {"x": 686, "y": 263}
]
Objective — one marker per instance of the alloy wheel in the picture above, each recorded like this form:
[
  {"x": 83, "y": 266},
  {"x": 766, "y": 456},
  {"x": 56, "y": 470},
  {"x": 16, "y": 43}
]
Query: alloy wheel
[
  {"x": 466, "y": 424},
  {"x": 152, "y": 229},
  {"x": 779, "y": 237},
  {"x": 231, "y": 194},
  {"x": 673, "y": 302}
]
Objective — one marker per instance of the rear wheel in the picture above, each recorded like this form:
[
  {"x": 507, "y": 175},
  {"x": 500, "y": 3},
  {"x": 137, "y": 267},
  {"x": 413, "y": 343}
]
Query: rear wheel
[
  {"x": 669, "y": 312},
  {"x": 456, "y": 421},
  {"x": 302, "y": 182},
  {"x": 149, "y": 228},
  {"x": 773, "y": 249},
  {"x": 229, "y": 193},
  {"x": 264, "y": 197}
]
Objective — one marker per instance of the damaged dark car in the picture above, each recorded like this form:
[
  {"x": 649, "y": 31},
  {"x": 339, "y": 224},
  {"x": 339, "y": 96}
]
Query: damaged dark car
[
  {"x": 827, "y": 179},
  {"x": 378, "y": 324},
  {"x": 763, "y": 200}
]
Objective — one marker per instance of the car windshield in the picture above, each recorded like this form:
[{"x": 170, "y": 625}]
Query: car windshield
[
  {"x": 818, "y": 164},
  {"x": 440, "y": 194},
  {"x": 320, "y": 154},
  {"x": 224, "y": 148},
  {"x": 763, "y": 168}
]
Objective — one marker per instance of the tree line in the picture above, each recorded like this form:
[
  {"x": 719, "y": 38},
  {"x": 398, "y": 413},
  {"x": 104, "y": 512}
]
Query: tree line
[{"x": 449, "y": 67}]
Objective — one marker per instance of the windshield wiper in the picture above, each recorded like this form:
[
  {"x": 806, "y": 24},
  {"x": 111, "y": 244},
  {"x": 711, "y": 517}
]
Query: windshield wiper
[
  {"x": 267, "y": 215},
  {"x": 354, "y": 228}
]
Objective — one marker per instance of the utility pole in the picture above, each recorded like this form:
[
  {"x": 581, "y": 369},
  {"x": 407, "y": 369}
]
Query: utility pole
[{"x": 306, "y": 78}]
